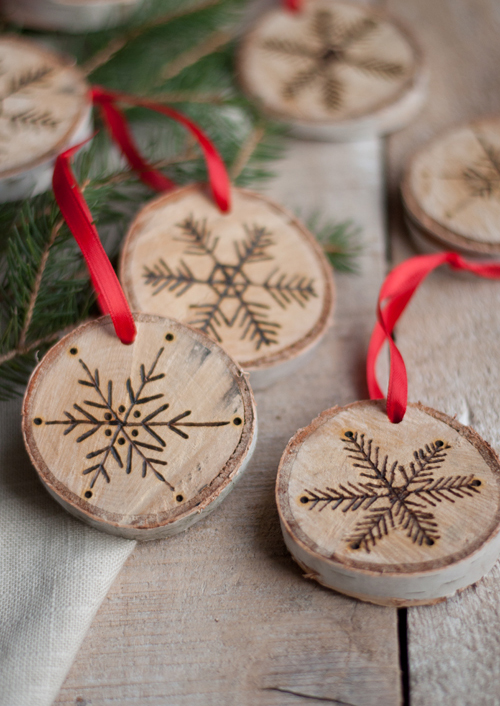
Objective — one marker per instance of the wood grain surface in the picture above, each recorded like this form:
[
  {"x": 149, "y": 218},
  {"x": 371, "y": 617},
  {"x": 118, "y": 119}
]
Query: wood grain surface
[
  {"x": 450, "y": 338},
  {"x": 68, "y": 15},
  {"x": 221, "y": 614}
]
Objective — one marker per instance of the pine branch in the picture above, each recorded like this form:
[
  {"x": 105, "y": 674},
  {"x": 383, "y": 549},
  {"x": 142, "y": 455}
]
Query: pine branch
[{"x": 340, "y": 241}]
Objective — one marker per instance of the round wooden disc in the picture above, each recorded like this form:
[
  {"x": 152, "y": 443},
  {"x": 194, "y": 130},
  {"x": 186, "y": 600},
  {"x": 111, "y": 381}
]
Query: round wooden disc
[
  {"x": 394, "y": 514},
  {"x": 143, "y": 440},
  {"x": 69, "y": 15},
  {"x": 254, "y": 279},
  {"x": 46, "y": 107},
  {"x": 451, "y": 189},
  {"x": 334, "y": 70}
]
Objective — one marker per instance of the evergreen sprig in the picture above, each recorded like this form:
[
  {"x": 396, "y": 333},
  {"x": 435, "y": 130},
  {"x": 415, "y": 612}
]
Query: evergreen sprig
[{"x": 177, "y": 51}]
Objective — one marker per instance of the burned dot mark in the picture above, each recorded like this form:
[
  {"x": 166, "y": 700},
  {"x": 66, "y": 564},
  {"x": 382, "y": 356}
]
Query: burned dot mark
[
  {"x": 179, "y": 498},
  {"x": 476, "y": 483},
  {"x": 237, "y": 421},
  {"x": 135, "y": 432},
  {"x": 37, "y": 421},
  {"x": 88, "y": 493},
  {"x": 108, "y": 416},
  {"x": 169, "y": 337},
  {"x": 121, "y": 440},
  {"x": 304, "y": 499},
  {"x": 137, "y": 413},
  {"x": 355, "y": 545},
  {"x": 108, "y": 432},
  {"x": 73, "y": 351},
  {"x": 349, "y": 434},
  {"x": 429, "y": 541},
  {"x": 121, "y": 409},
  {"x": 439, "y": 443}
]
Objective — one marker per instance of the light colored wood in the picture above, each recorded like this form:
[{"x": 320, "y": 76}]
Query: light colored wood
[
  {"x": 46, "y": 108},
  {"x": 144, "y": 440},
  {"x": 220, "y": 614},
  {"x": 451, "y": 189},
  {"x": 69, "y": 15},
  {"x": 449, "y": 338},
  {"x": 334, "y": 70},
  {"x": 254, "y": 279},
  {"x": 395, "y": 514}
]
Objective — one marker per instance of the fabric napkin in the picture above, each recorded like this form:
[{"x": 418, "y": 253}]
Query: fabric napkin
[{"x": 54, "y": 573}]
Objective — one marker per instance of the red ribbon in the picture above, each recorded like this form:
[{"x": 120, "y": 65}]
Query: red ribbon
[
  {"x": 293, "y": 5},
  {"x": 77, "y": 215},
  {"x": 118, "y": 127},
  {"x": 396, "y": 291}
]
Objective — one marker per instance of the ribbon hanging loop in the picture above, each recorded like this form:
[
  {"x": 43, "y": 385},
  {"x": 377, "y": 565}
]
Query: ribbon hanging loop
[
  {"x": 396, "y": 292},
  {"x": 118, "y": 127}
]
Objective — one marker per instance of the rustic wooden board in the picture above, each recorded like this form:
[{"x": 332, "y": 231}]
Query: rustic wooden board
[
  {"x": 450, "y": 339},
  {"x": 221, "y": 615}
]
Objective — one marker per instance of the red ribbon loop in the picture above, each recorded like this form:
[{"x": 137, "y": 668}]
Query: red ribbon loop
[
  {"x": 293, "y": 5},
  {"x": 118, "y": 127},
  {"x": 77, "y": 215},
  {"x": 397, "y": 291}
]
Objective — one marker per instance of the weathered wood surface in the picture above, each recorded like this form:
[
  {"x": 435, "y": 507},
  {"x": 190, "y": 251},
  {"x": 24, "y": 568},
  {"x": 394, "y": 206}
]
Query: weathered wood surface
[
  {"x": 450, "y": 338},
  {"x": 221, "y": 614}
]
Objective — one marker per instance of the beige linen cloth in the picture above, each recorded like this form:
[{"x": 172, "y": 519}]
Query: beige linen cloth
[{"x": 54, "y": 573}]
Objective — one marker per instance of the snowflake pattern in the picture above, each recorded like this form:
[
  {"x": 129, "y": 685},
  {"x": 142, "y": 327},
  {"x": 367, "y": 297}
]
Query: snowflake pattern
[
  {"x": 27, "y": 117},
  {"x": 330, "y": 45},
  {"x": 230, "y": 284},
  {"x": 393, "y": 496},
  {"x": 123, "y": 425}
]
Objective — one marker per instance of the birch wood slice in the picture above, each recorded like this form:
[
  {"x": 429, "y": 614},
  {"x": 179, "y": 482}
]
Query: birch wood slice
[
  {"x": 451, "y": 189},
  {"x": 69, "y": 15},
  {"x": 144, "y": 440},
  {"x": 254, "y": 279},
  {"x": 394, "y": 514},
  {"x": 334, "y": 70},
  {"x": 46, "y": 108}
]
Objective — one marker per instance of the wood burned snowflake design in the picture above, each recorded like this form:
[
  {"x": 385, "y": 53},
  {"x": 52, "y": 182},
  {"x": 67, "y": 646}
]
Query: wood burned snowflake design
[
  {"x": 43, "y": 104},
  {"x": 331, "y": 61},
  {"x": 393, "y": 496},
  {"x": 231, "y": 304},
  {"x": 331, "y": 44},
  {"x": 133, "y": 434}
]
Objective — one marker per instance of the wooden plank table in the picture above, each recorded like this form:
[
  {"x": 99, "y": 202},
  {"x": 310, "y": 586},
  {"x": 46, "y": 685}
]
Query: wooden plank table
[{"x": 220, "y": 615}]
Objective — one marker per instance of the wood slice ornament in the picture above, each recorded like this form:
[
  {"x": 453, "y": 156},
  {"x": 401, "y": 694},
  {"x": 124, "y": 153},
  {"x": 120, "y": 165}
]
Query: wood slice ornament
[
  {"x": 333, "y": 70},
  {"x": 451, "y": 190},
  {"x": 391, "y": 503},
  {"x": 253, "y": 278},
  {"x": 68, "y": 15},
  {"x": 46, "y": 107},
  {"x": 139, "y": 440}
]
